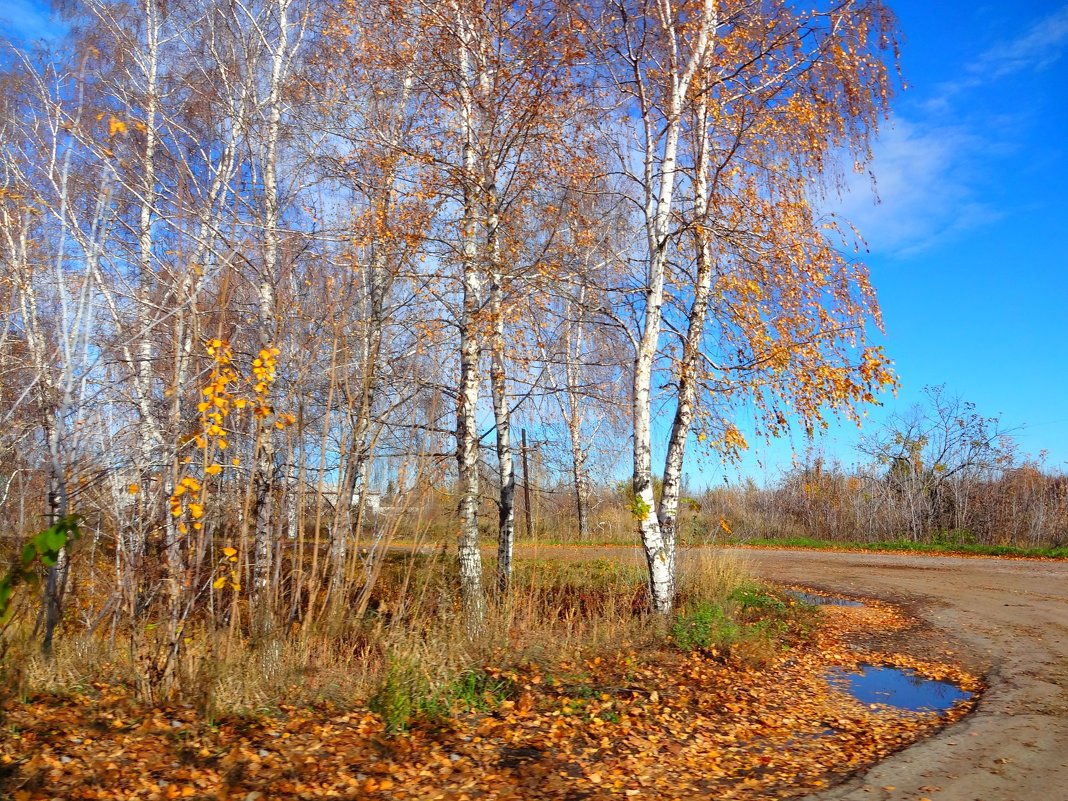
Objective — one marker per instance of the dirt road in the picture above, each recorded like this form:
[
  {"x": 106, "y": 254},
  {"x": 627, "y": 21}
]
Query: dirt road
[
  {"x": 1010, "y": 619},
  {"x": 1005, "y": 619}
]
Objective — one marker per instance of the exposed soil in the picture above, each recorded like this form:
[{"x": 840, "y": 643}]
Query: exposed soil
[{"x": 1004, "y": 618}]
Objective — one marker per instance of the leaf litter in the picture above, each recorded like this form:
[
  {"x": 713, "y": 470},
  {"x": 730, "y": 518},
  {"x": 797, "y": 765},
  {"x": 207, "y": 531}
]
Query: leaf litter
[{"x": 659, "y": 723}]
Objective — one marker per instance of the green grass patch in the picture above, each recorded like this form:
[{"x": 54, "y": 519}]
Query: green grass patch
[
  {"x": 753, "y": 623},
  {"x": 407, "y": 695},
  {"x": 940, "y": 544},
  {"x": 755, "y": 598}
]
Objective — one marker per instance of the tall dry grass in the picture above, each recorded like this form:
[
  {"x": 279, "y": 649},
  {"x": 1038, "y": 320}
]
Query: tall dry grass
[{"x": 413, "y": 627}]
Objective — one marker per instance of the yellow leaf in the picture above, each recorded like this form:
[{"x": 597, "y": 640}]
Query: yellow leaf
[
  {"x": 219, "y": 583},
  {"x": 213, "y": 469},
  {"x": 133, "y": 489},
  {"x": 229, "y": 551},
  {"x": 115, "y": 125}
]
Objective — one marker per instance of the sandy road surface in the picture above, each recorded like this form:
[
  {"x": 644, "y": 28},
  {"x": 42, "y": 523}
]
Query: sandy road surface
[
  {"x": 1011, "y": 618},
  {"x": 1007, "y": 619}
]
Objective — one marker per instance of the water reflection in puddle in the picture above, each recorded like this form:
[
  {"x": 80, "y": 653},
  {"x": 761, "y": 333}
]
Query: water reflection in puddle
[
  {"x": 816, "y": 599},
  {"x": 896, "y": 687}
]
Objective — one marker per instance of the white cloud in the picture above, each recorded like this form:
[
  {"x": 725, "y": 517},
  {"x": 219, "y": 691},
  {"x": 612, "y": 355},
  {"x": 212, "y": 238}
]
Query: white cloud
[
  {"x": 934, "y": 179},
  {"x": 925, "y": 189}
]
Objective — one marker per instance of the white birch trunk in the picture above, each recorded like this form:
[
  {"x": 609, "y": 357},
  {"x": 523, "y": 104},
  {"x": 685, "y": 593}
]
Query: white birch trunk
[
  {"x": 470, "y": 556},
  {"x": 501, "y": 413},
  {"x": 150, "y": 437},
  {"x": 668, "y": 511},
  {"x": 660, "y": 166},
  {"x": 573, "y": 343},
  {"x": 47, "y": 394},
  {"x": 263, "y": 512}
]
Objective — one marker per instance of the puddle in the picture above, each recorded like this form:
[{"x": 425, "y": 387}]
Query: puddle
[
  {"x": 816, "y": 599},
  {"x": 896, "y": 687}
]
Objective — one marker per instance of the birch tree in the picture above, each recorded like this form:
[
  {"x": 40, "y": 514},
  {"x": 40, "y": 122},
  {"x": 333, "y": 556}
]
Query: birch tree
[
  {"x": 654, "y": 54},
  {"x": 511, "y": 97},
  {"x": 54, "y": 215},
  {"x": 373, "y": 112},
  {"x": 788, "y": 311},
  {"x": 740, "y": 112}
]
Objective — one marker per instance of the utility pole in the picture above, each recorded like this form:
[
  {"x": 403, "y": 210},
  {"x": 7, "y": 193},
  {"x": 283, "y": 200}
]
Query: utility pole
[{"x": 526, "y": 488}]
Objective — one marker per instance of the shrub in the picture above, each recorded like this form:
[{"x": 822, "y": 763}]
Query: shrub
[{"x": 703, "y": 627}]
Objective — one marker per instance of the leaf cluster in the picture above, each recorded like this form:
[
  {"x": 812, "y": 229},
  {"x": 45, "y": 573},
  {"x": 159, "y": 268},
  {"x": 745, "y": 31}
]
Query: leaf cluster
[{"x": 45, "y": 546}]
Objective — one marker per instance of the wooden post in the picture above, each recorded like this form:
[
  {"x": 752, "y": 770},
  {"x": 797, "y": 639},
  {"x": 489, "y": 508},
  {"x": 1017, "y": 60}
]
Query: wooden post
[{"x": 526, "y": 488}]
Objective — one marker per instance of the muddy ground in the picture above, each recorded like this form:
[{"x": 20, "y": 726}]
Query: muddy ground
[{"x": 1005, "y": 619}]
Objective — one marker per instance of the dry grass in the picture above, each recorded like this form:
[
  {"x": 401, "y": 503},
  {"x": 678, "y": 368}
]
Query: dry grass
[
  {"x": 556, "y": 611},
  {"x": 79, "y": 662},
  {"x": 710, "y": 575}
]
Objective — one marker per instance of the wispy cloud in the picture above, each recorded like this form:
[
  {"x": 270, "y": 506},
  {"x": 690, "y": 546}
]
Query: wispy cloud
[
  {"x": 937, "y": 169},
  {"x": 925, "y": 189},
  {"x": 1043, "y": 44},
  {"x": 1039, "y": 47},
  {"x": 27, "y": 21}
]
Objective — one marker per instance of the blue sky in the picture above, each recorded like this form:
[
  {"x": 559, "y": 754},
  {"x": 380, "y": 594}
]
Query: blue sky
[
  {"x": 969, "y": 242},
  {"x": 25, "y": 20}
]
